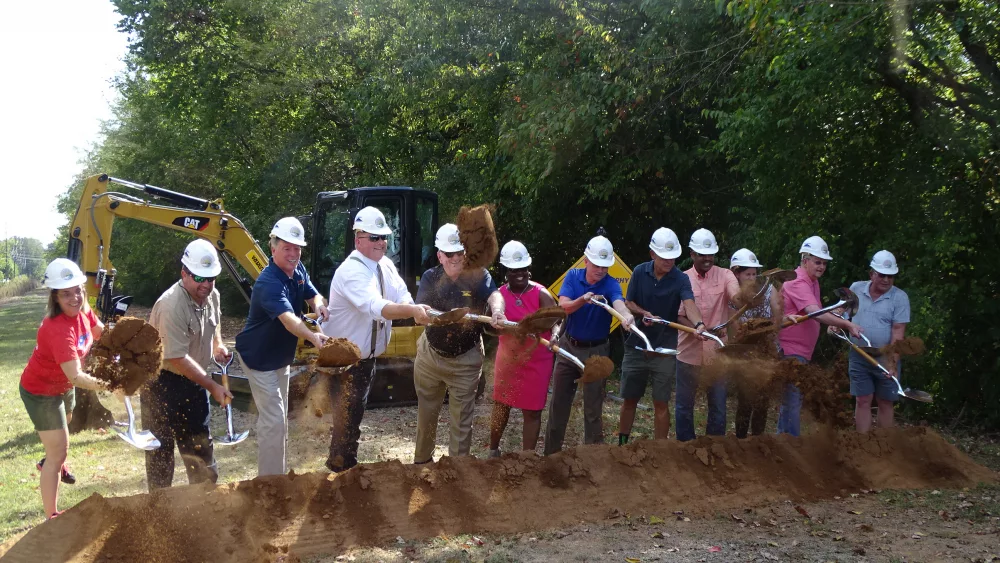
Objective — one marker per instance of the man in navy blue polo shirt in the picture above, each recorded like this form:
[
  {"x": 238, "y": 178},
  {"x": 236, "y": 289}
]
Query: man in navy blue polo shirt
[
  {"x": 586, "y": 335},
  {"x": 657, "y": 289},
  {"x": 267, "y": 342}
]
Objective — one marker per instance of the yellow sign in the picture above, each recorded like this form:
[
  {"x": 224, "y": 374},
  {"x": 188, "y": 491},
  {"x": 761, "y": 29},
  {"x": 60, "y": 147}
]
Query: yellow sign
[
  {"x": 258, "y": 261},
  {"x": 619, "y": 270}
]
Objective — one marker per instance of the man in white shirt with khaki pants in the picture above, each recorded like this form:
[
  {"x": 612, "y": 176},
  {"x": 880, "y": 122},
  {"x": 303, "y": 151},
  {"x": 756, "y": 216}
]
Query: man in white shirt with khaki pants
[{"x": 366, "y": 295}]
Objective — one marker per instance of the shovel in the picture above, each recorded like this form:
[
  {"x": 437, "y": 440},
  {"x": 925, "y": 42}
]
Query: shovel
[
  {"x": 916, "y": 395},
  {"x": 453, "y": 316},
  {"x": 600, "y": 301},
  {"x": 229, "y": 439},
  {"x": 142, "y": 439},
  {"x": 680, "y": 327},
  {"x": 775, "y": 277},
  {"x": 847, "y": 299},
  {"x": 590, "y": 374}
]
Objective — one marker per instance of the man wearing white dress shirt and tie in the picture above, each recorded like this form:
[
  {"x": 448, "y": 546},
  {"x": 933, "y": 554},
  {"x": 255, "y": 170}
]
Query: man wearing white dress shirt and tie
[{"x": 366, "y": 295}]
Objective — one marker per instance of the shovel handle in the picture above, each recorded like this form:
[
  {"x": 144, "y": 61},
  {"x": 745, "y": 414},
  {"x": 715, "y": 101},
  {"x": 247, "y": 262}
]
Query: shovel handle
[{"x": 489, "y": 320}]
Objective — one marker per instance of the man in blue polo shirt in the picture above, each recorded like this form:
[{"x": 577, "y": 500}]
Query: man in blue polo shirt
[
  {"x": 883, "y": 312},
  {"x": 267, "y": 342},
  {"x": 586, "y": 335},
  {"x": 657, "y": 289}
]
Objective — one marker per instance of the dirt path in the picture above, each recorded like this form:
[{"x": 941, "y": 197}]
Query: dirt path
[{"x": 319, "y": 514}]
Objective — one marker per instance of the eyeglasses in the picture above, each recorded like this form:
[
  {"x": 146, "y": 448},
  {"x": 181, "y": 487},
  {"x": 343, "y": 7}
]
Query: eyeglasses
[
  {"x": 375, "y": 238},
  {"x": 453, "y": 254}
]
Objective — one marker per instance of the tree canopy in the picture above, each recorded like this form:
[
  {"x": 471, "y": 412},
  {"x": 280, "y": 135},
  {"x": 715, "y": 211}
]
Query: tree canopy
[{"x": 872, "y": 124}]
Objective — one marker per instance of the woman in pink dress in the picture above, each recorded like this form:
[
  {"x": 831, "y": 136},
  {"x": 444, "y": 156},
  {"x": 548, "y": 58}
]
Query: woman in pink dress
[{"x": 523, "y": 367}]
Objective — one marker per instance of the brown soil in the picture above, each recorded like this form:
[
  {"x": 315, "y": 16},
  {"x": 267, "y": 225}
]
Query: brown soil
[
  {"x": 338, "y": 352},
  {"x": 300, "y": 516},
  {"x": 475, "y": 230},
  {"x": 748, "y": 293},
  {"x": 909, "y": 346},
  {"x": 596, "y": 368},
  {"x": 127, "y": 355}
]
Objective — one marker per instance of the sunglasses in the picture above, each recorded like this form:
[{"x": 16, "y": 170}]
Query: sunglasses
[
  {"x": 516, "y": 271},
  {"x": 453, "y": 254},
  {"x": 375, "y": 238},
  {"x": 885, "y": 276},
  {"x": 199, "y": 279}
]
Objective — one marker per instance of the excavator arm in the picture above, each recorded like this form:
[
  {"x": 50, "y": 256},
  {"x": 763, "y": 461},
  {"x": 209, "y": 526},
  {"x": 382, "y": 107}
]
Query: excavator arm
[{"x": 90, "y": 232}]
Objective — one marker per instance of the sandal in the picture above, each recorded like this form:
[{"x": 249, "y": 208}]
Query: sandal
[{"x": 65, "y": 476}]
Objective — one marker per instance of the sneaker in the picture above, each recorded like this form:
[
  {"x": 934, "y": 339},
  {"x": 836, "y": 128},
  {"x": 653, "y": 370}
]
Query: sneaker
[
  {"x": 65, "y": 476},
  {"x": 494, "y": 453}
]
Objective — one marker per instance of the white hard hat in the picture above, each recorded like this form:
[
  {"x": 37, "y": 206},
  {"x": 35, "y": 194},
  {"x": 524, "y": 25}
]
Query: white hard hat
[
  {"x": 817, "y": 247},
  {"x": 514, "y": 255},
  {"x": 885, "y": 263},
  {"x": 62, "y": 273},
  {"x": 201, "y": 259},
  {"x": 745, "y": 259},
  {"x": 371, "y": 220},
  {"x": 665, "y": 244},
  {"x": 600, "y": 252},
  {"x": 703, "y": 242},
  {"x": 290, "y": 230},
  {"x": 447, "y": 239}
]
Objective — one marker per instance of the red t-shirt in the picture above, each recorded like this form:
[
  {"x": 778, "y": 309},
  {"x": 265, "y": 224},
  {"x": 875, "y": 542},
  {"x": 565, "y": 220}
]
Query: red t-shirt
[{"x": 60, "y": 339}]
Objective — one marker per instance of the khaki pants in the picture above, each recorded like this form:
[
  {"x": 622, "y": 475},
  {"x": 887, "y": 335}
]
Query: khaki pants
[
  {"x": 433, "y": 375},
  {"x": 270, "y": 395}
]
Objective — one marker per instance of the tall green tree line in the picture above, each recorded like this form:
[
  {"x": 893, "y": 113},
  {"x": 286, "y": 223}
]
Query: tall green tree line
[{"x": 871, "y": 124}]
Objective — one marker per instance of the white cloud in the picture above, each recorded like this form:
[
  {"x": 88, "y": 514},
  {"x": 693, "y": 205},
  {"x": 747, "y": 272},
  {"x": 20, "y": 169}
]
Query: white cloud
[{"x": 59, "y": 59}]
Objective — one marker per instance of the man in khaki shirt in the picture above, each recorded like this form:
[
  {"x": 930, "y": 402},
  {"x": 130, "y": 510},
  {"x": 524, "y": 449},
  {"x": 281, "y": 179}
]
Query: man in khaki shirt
[{"x": 175, "y": 404}]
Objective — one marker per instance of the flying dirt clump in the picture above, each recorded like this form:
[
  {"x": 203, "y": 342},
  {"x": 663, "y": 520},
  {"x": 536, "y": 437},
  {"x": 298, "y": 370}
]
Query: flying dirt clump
[
  {"x": 338, "y": 352},
  {"x": 127, "y": 355},
  {"x": 596, "y": 368},
  {"x": 909, "y": 346},
  {"x": 475, "y": 230}
]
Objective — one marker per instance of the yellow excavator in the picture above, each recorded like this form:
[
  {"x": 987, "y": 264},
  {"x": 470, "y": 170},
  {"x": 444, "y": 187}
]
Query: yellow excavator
[{"x": 411, "y": 213}]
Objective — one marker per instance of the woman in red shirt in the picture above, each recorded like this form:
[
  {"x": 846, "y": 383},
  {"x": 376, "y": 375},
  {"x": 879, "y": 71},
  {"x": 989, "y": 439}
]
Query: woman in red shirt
[{"x": 55, "y": 368}]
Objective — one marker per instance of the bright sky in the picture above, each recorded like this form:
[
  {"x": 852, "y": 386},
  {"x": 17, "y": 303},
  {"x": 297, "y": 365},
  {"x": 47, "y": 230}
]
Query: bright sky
[{"x": 58, "y": 59}]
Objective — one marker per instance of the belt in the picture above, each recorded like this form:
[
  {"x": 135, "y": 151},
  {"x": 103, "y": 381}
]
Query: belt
[
  {"x": 585, "y": 343},
  {"x": 446, "y": 354}
]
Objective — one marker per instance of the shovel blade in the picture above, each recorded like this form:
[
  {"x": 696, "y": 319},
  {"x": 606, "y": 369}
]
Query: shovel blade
[
  {"x": 779, "y": 275},
  {"x": 229, "y": 439},
  {"x": 142, "y": 440},
  {"x": 850, "y": 299},
  {"x": 917, "y": 395}
]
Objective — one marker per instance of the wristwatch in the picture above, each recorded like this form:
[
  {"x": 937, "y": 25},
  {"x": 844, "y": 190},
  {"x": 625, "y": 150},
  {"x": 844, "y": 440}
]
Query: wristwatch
[{"x": 698, "y": 324}]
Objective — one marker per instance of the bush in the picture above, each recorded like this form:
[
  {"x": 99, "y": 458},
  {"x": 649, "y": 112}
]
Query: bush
[{"x": 17, "y": 286}]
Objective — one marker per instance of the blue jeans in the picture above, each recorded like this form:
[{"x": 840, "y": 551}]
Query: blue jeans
[
  {"x": 687, "y": 384},
  {"x": 791, "y": 405}
]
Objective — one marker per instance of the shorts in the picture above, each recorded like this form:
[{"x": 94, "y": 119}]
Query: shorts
[
  {"x": 48, "y": 412},
  {"x": 638, "y": 369},
  {"x": 867, "y": 379}
]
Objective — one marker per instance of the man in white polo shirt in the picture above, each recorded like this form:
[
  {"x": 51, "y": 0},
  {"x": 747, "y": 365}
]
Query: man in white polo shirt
[{"x": 366, "y": 295}]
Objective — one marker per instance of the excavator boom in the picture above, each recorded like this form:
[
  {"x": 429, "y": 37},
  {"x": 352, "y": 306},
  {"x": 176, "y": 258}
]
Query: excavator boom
[{"x": 90, "y": 232}]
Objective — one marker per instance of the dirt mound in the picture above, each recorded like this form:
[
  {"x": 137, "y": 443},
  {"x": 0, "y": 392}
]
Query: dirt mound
[
  {"x": 306, "y": 515},
  {"x": 338, "y": 352},
  {"x": 127, "y": 355},
  {"x": 475, "y": 230}
]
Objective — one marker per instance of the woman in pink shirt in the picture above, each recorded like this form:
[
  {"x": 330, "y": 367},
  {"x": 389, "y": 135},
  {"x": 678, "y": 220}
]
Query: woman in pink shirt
[{"x": 523, "y": 367}]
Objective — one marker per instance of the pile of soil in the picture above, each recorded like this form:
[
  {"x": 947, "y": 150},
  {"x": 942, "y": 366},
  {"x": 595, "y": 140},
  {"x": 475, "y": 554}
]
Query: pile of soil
[
  {"x": 127, "y": 355},
  {"x": 338, "y": 352},
  {"x": 301, "y": 516},
  {"x": 475, "y": 230}
]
